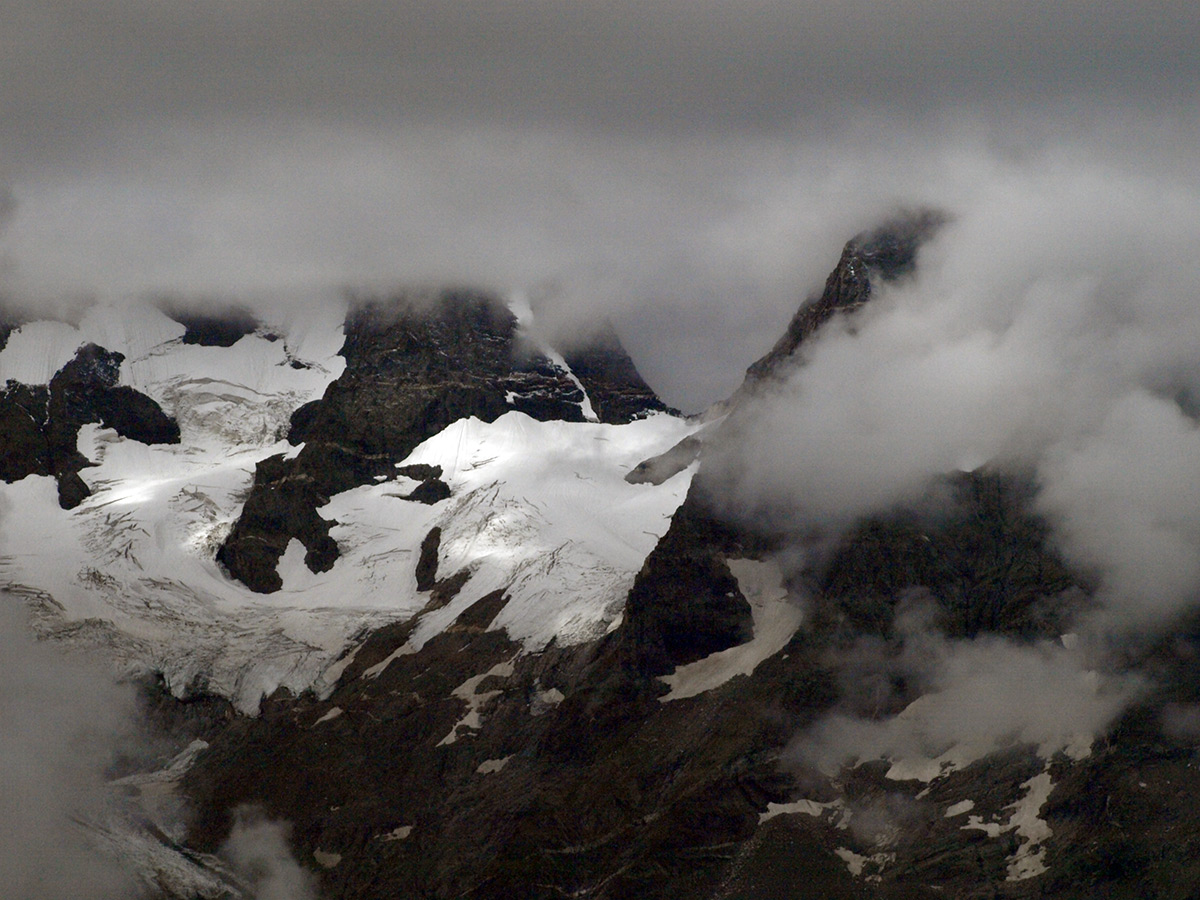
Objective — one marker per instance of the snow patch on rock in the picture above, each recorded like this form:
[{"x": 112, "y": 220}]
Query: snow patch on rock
[
  {"x": 333, "y": 713},
  {"x": 475, "y": 700},
  {"x": 1029, "y": 859},
  {"x": 776, "y": 618},
  {"x": 857, "y": 863},
  {"x": 488, "y": 766},
  {"x": 958, "y": 809},
  {"x": 326, "y": 859},
  {"x": 804, "y": 808},
  {"x": 544, "y": 701}
]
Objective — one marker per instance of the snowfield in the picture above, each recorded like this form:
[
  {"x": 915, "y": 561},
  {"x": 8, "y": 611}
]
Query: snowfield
[{"x": 540, "y": 510}]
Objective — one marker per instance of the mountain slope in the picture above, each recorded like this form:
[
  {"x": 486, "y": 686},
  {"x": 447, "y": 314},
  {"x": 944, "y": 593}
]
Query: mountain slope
[
  {"x": 647, "y": 763},
  {"x": 476, "y": 618}
]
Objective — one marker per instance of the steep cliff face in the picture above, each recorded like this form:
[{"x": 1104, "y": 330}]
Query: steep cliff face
[
  {"x": 613, "y": 384},
  {"x": 685, "y": 604}
]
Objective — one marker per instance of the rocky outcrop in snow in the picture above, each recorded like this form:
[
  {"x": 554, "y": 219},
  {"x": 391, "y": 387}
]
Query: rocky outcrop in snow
[{"x": 39, "y": 426}]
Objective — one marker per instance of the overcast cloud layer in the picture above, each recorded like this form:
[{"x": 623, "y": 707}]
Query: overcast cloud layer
[{"x": 690, "y": 168}]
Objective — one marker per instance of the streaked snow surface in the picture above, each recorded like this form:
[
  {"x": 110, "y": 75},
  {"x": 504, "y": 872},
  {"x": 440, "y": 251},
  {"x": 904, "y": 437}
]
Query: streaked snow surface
[
  {"x": 538, "y": 509},
  {"x": 542, "y": 510}
]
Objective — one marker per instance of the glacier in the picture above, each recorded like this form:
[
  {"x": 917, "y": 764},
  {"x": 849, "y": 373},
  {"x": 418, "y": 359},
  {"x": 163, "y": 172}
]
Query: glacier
[{"x": 539, "y": 510}]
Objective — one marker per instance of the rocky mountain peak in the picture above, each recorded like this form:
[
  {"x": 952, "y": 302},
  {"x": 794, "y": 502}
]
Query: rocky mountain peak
[
  {"x": 885, "y": 253},
  {"x": 616, "y": 388},
  {"x": 207, "y": 326}
]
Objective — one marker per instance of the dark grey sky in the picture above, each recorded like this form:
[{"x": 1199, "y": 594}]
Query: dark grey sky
[{"x": 688, "y": 167}]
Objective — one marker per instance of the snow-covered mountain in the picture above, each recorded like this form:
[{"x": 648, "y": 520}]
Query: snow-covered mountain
[
  {"x": 539, "y": 509},
  {"x": 471, "y": 614}
]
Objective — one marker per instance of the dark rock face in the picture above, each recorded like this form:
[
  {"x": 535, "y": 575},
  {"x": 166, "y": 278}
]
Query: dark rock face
[
  {"x": 420, "y": 471},
  {"x": 132, "y": 414},
  {"x": 168, "y": 724},
  {"x": 614, "y": 386},
  {"x": 302, "y": 421},
  {"x": 547, "y": 394},
  {"x": 1125, "y": 819},
  {"x": 413, "y": 367},
  {"x": 39, "y": 426},
  {"x": 659, "y": 468},
  {"x": 7, "y": 327},
  {"x": 577, "y": 779},
  {"x": 24, "y": 449},
  {"x": 427, "y": 561},
  {"x": 85, "y": 390},
  {"x": 986, "y": 561},
  {"x": 223, "y": 328},
  {"x": 76, "y": 386},
  {"x": 429, "y": 492},
  {"x": 685, "y": 603}
]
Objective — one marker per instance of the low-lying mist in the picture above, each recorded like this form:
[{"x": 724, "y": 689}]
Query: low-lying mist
[
  {"x": 63, "y": 721},
  {"x": 699, "y": 249},
  {"x": 258, "y": 852}
]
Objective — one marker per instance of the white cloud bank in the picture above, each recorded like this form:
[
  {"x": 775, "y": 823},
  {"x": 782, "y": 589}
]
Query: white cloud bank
[
  {"x": 258, "y": 851},
  {"x": 1054, "y": 324},
  {"x": 980, "y": 696}
]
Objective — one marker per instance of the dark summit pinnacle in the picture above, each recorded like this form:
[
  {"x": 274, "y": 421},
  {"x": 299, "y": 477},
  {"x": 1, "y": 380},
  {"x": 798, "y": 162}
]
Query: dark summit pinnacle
[
  {"x": 684, "y": 603},
  {"x": 888, "y": 252},
  {"x": 222, "y": 327}
]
